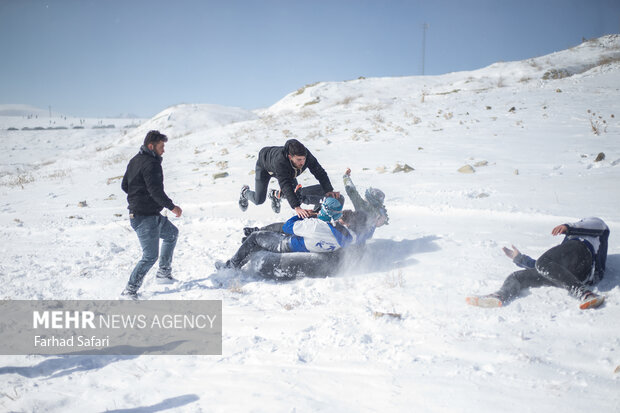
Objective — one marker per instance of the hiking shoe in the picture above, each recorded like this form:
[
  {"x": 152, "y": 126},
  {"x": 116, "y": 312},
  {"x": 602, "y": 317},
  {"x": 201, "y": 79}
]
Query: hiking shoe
[
  {"x": 168, "y": 279},
  {"x": 275, "y": 195},
  {"x": 485, "y": 301},
  {"x": 243, "y": 199},
  {"x": 591, "y": 300},
  {"x": 129, "y": 293}
]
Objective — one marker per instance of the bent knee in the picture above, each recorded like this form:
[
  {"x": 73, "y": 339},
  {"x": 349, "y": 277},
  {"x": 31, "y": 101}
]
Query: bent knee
[
  {"x": 149, "y": 259},
  {"x": 543, "y": 266},
  {"x": 268, "y": 240}
]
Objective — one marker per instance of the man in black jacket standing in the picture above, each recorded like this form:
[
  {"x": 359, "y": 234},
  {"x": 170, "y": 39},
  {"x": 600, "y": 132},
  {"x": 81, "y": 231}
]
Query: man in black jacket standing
[
  {"x": 144, "y": 184},
  {"x": 286, "y": 163}
]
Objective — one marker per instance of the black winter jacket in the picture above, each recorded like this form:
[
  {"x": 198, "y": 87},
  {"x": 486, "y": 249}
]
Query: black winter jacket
[
  {"x": 274, "y": 159},
  {"x": 144, "y": 184}
]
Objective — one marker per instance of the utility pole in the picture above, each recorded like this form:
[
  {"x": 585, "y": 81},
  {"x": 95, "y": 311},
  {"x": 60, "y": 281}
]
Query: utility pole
[{"x": 424, "y": 28}]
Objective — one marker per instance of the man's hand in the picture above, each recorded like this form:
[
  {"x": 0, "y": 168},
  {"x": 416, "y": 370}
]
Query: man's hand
[
  {"x": 511, "y": 253},
  {"x": 177, "y": 211},
  {"x": 348, "y": 172},
  {"x": 560, "y": 229},
  {"x": 303, "y": 213},
  {"x": 332, "y": 194}
]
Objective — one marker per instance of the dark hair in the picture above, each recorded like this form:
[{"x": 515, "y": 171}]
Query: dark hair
[
  {"x": 354, "y": 220},
  {"x": 295, "y": 148},
  {"x": 154, "y": 136}
]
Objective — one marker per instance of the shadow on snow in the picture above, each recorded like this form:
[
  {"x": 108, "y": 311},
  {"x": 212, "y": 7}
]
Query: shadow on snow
[
  {"x": 166, "y": 404},
  {"x": 64, "y": 365},
  {"x": 611, "y": 279}
]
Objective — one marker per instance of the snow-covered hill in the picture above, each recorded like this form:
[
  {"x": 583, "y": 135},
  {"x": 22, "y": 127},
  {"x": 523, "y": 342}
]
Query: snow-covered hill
[
  {"x": 22, "y": 111},
  {"x": 531, "y": 131},
  {"x": 184, "y": 119},
  {"x": 362, "y": 92}
]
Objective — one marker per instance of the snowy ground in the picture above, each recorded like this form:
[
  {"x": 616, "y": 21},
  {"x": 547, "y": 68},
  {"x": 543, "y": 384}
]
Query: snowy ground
[{"x": 319, "y": 344}]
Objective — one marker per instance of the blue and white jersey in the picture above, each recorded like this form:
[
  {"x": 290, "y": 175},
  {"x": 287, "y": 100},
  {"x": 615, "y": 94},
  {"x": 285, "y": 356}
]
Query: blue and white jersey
[{"x": 315, "y": 235}]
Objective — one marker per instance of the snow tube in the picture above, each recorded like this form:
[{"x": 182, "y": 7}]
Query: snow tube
[{"x": 296, "y": 264}]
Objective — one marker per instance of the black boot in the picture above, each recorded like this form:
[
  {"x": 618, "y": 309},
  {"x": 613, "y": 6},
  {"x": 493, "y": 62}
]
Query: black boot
[
  {"x": 243, "y": 200},
  {"x": 274, "y": 195}
]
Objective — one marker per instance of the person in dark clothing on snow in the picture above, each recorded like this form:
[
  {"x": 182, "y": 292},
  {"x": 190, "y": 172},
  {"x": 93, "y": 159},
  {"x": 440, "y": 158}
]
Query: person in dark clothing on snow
[
  {"x": 372, "y": 205},
  {"x": 577, "y": 263},
  {"x": 286, "y": 163},
  {"x": 331, "y": 230},
  {"x": 144, "y": 184}
]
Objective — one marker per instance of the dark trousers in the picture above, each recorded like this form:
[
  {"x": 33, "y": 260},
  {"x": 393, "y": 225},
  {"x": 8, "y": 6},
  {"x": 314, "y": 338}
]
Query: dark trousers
[
  {"x": 566, "y": 266},
  {"x": 310, "y": 195},
  {"x": 260, "y": 240},
  {"x": 261, "y": 183}
]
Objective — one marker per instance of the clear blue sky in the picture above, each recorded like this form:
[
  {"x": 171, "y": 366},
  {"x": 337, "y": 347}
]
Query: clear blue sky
[{"x": 102, "y": 58}]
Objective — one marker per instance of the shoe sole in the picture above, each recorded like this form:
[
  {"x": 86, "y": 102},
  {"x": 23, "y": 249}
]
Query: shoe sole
[
  {"x": 243, "y": 201},
  {"x": 593, "y": 303},
  {"x": 484, "y": 302}
]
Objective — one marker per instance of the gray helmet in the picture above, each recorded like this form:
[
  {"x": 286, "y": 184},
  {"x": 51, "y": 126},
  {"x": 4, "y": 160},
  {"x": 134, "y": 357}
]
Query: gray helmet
[{"x": 375, "y": 197}]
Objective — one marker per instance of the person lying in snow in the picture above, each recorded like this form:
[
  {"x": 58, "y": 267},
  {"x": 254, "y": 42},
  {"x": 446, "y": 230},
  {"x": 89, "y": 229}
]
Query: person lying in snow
[
  {"x": 575, "y": 264},
  {"x": 331, "y": 230},
  {"x": 372, "y": 206}
]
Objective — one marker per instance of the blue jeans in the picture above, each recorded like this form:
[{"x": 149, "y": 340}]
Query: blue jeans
[{"x": 150, "y": 229}]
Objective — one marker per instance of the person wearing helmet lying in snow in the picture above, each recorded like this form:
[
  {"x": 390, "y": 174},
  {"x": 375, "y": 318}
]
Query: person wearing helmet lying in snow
[
  {"x": 577, "y": 263},
  {"x": 331, "y": 230},
  {"x": 373, "y": 204}
]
